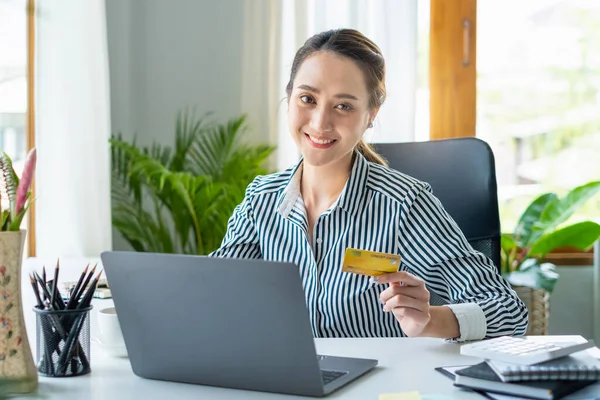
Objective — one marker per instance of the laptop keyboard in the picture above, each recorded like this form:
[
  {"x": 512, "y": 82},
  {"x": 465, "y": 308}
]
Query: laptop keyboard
[{"x": 329, "y": 376}]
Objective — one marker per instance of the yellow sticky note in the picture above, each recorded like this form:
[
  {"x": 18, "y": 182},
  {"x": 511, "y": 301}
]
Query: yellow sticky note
[{"x": 414, "y": 395}]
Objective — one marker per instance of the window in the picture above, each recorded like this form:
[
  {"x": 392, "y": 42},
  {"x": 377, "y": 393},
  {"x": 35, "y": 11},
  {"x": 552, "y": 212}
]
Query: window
[
  {"x": 13, "y": 80},
  {"x": 537, "y": 83},
  {"x": 538, "y": 98},
  {"x": 16, "y": 127}
]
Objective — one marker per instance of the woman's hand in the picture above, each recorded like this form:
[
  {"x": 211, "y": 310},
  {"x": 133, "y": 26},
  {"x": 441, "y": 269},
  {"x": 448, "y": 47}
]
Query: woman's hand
[{"x": 408, "y": 298}]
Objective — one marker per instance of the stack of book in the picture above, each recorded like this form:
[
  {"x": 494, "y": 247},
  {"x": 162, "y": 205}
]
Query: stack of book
[{"x": 549, "y": 380}]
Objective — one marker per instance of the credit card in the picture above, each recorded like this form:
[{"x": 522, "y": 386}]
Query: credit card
[{"x": 370, "y": 263}]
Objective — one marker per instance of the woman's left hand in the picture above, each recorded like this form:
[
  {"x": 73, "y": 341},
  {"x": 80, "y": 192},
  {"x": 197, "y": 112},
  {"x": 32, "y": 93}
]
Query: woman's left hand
[{"x": 408, "y": 299}]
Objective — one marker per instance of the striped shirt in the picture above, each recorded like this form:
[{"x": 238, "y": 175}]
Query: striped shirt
[{"x": 383, "y": 210}]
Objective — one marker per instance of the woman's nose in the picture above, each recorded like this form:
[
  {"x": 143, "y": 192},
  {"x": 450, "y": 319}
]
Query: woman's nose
[{"x": 321, "y": 121}]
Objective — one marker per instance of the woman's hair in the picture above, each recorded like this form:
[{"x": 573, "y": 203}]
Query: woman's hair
[{"x": 360, "y": 49}]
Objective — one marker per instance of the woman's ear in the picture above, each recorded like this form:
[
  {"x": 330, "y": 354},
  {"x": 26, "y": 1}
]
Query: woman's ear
[{"x": 372, "y": 115}]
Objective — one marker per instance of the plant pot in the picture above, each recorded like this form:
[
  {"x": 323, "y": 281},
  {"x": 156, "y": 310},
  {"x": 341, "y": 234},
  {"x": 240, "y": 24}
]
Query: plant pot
[
  {"x": 538, "y": 305},
  {"x": 18, "y": 373}
]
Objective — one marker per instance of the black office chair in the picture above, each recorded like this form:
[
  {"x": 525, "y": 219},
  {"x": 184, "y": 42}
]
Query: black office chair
[{"x": 462, "y": 175}]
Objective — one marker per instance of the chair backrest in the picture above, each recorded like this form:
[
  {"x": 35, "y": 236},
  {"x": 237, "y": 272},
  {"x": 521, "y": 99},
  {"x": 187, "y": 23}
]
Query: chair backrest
[{"x": 462, "y": 175}]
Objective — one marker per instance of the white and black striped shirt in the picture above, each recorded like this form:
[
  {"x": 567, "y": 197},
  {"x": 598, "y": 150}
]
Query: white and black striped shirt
[{"x": 379, "y": 209}]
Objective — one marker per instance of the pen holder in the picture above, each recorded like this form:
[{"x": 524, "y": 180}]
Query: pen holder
[{"x": 63, "y": 342}]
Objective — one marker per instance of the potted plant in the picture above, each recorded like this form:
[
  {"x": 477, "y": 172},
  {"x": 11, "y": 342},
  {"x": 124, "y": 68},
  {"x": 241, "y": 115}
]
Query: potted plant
[
  {"x": 178, "y": 199},
  {"x": 18, "y": 373},
  {"x": 542, "y": 228}
]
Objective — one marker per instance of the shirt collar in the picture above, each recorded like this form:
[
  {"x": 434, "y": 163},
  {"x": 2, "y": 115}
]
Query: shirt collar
[
  {"x": 351, "y": 199},
  {"x": 354, "y": 193},
  {"x": 288, "y": 197}
]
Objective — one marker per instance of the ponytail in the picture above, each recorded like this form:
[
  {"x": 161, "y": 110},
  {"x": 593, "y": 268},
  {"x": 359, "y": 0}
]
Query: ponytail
[{"x": 369, "y": 154}]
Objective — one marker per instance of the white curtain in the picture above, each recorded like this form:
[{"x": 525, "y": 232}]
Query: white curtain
[
  {"x": 73, "y": 217},
  {"x": 275, "y": 29}
]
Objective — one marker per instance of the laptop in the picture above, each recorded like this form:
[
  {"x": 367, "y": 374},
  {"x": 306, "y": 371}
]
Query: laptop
[{"x": 225, "y": 322}]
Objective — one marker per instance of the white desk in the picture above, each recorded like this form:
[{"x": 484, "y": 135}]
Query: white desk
[{"x": 404, "y": 364}]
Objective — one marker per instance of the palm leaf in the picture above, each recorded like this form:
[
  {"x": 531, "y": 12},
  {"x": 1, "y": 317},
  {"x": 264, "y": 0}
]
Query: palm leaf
[{"x": 180, "y": 199}]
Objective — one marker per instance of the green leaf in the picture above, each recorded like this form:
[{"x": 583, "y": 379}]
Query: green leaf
[
  {"x": 8, "y": 307},
  {"x": 9, "y": 335},
  {"x": 6, "y": 280},
  {"x": 11, "y": 181},
  {"x": 12, "y": 353},
  {"x": 16, "y": 223},
  {"x": 509, "y": 247},
  {"x": 5, "y": 220},
  {"x": 180, "y": 199},
  {"x": 535, "y": 276},
  {"x": 524, "y": 229},
  {"x": 507, "y": 242},
  {"x": 561, "y": 210},
  {"x": 581, "y": 235}
]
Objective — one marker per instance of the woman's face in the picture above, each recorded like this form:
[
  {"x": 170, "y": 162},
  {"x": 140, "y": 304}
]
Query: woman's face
[{"x": 328, "y": 109}]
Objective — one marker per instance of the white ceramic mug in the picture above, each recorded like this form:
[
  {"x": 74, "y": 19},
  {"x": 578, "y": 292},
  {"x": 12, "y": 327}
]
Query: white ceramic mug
[{"x": 110, "y": 330}]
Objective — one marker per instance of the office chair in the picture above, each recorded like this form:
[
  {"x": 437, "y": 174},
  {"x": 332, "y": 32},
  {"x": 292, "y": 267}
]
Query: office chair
[{"x": 462, "y": 175}]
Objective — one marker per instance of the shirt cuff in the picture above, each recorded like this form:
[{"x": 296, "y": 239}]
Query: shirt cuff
[{"x": 471, "y": 321}]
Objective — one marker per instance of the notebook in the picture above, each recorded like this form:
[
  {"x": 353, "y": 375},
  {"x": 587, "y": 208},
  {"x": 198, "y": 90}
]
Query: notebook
[
  {"x": 482, "y": 377},
  {"x": 578, "y": 366}
]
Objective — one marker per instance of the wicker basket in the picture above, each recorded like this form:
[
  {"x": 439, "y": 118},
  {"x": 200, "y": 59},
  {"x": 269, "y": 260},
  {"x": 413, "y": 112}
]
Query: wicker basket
[{"x": 538, "y": 304}]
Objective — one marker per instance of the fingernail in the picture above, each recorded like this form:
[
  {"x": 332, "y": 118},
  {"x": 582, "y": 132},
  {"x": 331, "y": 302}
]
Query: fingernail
[
  {"x": 382, "y": 302},
  {"x": 401, "y": 283},
  {"x": 373, "y": 280}
]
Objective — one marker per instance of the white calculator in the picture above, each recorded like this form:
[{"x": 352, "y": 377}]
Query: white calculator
[{"x": 525, "y": 350}]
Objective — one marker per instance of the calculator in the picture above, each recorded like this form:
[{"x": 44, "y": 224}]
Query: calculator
[{"x": 524, "y": 350}]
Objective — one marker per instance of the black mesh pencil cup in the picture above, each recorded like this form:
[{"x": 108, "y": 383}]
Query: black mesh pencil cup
[{"x": 63, "y": 342}]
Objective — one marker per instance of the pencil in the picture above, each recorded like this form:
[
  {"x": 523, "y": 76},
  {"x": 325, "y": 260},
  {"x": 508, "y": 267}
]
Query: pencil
[
  {"x": 87, "y": 298},
  {"x": 36, "y": 292},
  {"x": 83, "y": 286},
  {"x": 75, "y": 290},
  {"x": 54, "y": 284},
  {"x": 44, "y": 288}
]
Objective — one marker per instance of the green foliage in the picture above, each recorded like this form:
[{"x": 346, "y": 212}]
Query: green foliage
[
  {"x": 178, "y": 200},
  {"x": 10, "y": 219},
  {"x": 541, "y": 230}
]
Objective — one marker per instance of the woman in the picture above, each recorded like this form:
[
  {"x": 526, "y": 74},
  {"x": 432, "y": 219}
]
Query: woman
[{"x": 341, "y": 195}]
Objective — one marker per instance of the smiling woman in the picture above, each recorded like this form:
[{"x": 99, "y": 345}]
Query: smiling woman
[
  {"x": 349, "y": 83},
  {"x": 341, "y": 196}
]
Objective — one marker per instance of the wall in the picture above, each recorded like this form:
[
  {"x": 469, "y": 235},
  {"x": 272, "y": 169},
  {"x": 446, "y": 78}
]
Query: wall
[
  {"x": 168, "y": 55},
  {"x": 571, "y": 305}
]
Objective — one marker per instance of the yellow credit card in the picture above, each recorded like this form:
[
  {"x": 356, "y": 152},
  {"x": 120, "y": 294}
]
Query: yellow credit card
[{"x": 370, "y": 263}]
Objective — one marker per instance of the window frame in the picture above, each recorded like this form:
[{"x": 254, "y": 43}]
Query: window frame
[
  {"x": 30, "y": 124},
  {"x": 453, "y": 91}
]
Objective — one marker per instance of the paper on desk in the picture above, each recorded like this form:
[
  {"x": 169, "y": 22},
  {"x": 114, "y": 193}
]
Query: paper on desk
[
  {"x": 594, "y": 352},
  {"x": 414, "y": 395}
]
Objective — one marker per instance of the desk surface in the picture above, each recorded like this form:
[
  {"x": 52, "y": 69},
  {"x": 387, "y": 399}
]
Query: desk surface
[{"x": 405, "y": 364}]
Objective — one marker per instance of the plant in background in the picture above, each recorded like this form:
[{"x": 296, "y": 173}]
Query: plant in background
[
  {"x": 16, "y": 191},
  {"x": 179, "y": 199},
  {"x": 541, "y": 230}
]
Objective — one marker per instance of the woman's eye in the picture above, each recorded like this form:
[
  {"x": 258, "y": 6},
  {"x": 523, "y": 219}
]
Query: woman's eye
[
  {"x": 344, "y": 107},
  {"x": 306, "y": 99}
]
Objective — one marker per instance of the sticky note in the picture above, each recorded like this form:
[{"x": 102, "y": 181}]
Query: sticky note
[
  {"x": 370, "y": 263},
  {"x": 414, "y": 395}
]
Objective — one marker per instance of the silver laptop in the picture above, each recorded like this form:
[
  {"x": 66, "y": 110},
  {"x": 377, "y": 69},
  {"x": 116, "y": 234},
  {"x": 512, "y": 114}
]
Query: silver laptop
[{"x": 221, "y": 322}]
